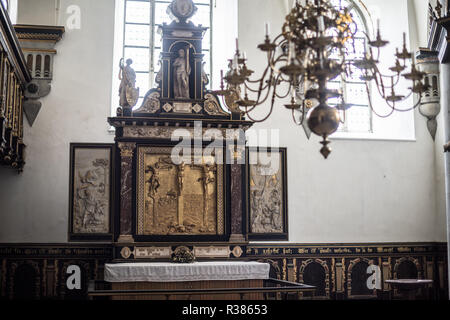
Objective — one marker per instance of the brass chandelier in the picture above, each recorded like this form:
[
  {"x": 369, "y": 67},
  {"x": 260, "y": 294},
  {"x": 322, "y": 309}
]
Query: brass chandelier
[{"x": 312, "y": 50}]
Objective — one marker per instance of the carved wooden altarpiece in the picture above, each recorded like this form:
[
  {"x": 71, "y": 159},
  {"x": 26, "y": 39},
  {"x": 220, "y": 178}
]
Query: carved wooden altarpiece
[{"x": 163, "y": 204}]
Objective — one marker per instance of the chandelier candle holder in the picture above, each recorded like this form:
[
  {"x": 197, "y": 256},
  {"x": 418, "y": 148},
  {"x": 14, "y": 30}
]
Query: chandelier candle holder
[{"x": 312, "y": 49}]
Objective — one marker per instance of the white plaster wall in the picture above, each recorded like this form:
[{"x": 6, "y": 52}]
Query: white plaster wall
[
  {"x": 34, "y": 205},
  {"x": 418, "y": 13},
  {"x": 42, "y": 12},
  {"x": 368, "y": 191}
]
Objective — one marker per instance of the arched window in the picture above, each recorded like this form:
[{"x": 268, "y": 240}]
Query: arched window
[{"x": 359, "y": 117}]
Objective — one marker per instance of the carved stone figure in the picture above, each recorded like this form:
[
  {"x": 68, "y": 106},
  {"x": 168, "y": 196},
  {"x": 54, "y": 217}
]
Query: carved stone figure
[
  {"x": 128, "y": 93},
  {"x": 205, "y": 78},
  {"x": 91, "y": 199},
  {"x": 265, "y": 200},
  {"x": 181, "y": 72},
  {"x": 159, "y": 75}
]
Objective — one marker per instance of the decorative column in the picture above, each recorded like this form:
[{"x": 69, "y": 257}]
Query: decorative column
[
  {"x": 237, "y": 164},
  {"x": 236, "y": 204},
  {"x": 126, "y": 188}
]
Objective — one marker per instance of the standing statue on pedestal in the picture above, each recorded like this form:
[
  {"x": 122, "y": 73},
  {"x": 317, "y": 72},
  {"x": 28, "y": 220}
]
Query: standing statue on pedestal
[
  {"x": 128, "y": 93},
  {"x": 181, "y": 72}
]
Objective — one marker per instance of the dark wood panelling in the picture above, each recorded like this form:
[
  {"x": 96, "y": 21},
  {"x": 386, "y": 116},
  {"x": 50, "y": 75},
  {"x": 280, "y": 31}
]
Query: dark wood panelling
[{"x": 338, "y": 270}]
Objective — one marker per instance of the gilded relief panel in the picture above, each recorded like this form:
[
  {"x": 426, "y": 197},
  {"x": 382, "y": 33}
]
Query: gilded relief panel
[{"x": 178, "y": 199}]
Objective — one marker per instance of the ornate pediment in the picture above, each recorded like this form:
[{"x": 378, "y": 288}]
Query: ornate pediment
[
  {"x": 182, "y": 9},
  {"x": 181, "y": 81}
]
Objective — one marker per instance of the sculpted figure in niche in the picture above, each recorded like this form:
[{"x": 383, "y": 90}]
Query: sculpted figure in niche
[{"x": 181, "y": 72}]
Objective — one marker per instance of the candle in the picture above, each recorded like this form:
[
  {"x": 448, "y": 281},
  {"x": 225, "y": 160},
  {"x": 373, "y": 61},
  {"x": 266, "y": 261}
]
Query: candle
[
  {"x": 237, "y": 44},
  {"x": 235, "y": 63},
  {"x": 291, "y": 55},
  {"x": 378, "y": 24},
  {"x": 267, "y": 29},
  {"x": 244, "y": 55},
  {"x": 321, "y": 24},
  {"x": 404, "y": 39}
]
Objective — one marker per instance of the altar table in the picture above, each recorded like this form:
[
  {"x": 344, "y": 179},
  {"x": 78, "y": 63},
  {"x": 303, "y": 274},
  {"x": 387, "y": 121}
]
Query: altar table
[{"x": 186, "y": 276}]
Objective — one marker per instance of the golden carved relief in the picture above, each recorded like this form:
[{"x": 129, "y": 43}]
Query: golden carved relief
[
  {"x": 126, "y": 149},
  {"x": 178, "y": 199}
]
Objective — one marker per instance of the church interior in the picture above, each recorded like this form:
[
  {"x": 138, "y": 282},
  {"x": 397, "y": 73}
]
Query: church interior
[{"x": 224, "y": 149}]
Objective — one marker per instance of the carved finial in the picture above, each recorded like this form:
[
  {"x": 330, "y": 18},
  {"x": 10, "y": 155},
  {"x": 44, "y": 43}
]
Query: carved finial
[
  {"x": 438, "y": 9},
  {"x": 182, "y": 9},
  {"x": 325, "y": 151}
]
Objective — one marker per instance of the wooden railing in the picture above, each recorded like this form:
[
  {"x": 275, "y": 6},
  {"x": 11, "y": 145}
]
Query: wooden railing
[
  {"x": 14, "y": 77},
  {"x": 272, "y": 289}
]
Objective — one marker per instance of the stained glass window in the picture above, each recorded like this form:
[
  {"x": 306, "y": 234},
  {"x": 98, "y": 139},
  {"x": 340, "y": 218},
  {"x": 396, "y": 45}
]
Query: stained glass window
[{"x": 359, "y": 117}]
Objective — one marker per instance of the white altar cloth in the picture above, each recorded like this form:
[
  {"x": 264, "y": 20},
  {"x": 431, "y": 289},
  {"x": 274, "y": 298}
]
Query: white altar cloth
[{"x": 176, "y": 272}]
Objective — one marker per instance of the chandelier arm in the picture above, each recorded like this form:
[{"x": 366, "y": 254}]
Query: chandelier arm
[
  {"x": 383, "y": 87},
  {"x": 398, "y": 77},
  {"x": 258, "y": 101},
  {"x": 373, "y": 109},
  {"x": 260, "y": 81},
  {"x": 273, "y": 63},
  {"x": 410, "y": 108},
  {"x": 393, "y": 108},
  {"x": 407, "y": 96},
  {"x": 280, "y": 36},
  {"x": 287, "y": 94},
  {"x": 379, "y": 85},
  {"x": 263, "y": 87},
  {"x": 250, "y": 89},
  {"x": 413, "y": 107},
  {"x": 247, "y": 112}
]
